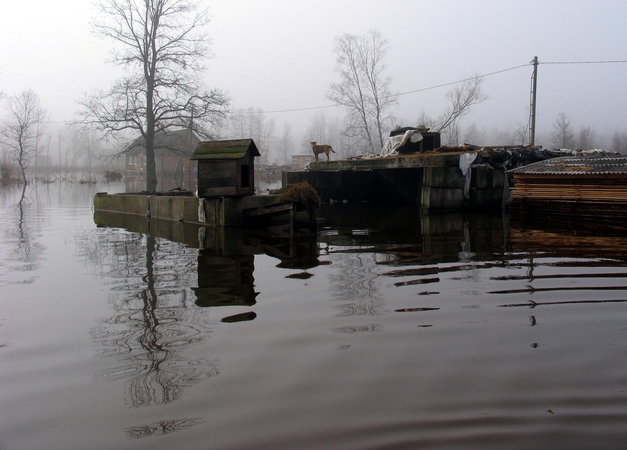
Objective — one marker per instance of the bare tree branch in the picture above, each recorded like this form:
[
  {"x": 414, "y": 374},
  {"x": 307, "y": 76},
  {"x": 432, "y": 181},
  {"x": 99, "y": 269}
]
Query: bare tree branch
[
  {"x": 461, "y": 98},
  {"x": 162, "y": 46},
  {"x": 363, "y": 89},
  {"x": 23, "y": 128}
]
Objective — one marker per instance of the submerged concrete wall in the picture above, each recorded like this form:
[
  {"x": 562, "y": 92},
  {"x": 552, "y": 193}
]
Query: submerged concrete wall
[
  {"x": 444, "y": 189},
  {"x": 219, "y": 212},
  {"x": 377, "y": 185},
  {"x": 433, "y": 188}
]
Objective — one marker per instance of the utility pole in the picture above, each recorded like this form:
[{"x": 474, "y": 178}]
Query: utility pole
[{"x": 532, "y": 112}]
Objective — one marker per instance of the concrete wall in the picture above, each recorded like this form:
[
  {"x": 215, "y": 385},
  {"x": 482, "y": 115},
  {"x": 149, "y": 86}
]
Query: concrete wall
[
  {"x": 229, "y": 212},
  {"x": 443, "y": 189},
  {"x": 219, "y": 212},
  {"x": 129, "y": 204},
  {"x": 182, "y": 209},
  {"x": 377, "y": 185},
  {"x": 433, "y": 188}
]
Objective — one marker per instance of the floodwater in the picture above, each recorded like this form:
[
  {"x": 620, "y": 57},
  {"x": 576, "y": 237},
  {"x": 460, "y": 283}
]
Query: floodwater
[{"x": 387, "y": 330}]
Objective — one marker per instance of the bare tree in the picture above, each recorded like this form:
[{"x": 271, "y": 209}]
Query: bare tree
[
  {"x": 253, "y": 123},
  {"x": 451, "y": 135},
  {"x": 425, "y": 120},
  {"x": 320, "y": 130},
  {"x": 460, "y": 99},
  {"x": 619, "y": 142},
  {"x": 586, "y": 138},
  {"x": 286, "y": 144},
  {"x": 562, "y": 136},
  {"x": 473, "y": 135},
  {"x": 363, "y": 89},
  {"x": 521, "y": 134},
  {"x": 162, "y": 45},
  {"x": 23, "y": 127}
]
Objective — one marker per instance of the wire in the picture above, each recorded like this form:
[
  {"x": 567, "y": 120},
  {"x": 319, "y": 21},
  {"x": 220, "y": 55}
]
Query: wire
[
  {"x": 460, "y": 81},
  {"x": 584, "y": 62},
  {"x": 403, "y": 93},
  {"x": 437, "y": 86}
]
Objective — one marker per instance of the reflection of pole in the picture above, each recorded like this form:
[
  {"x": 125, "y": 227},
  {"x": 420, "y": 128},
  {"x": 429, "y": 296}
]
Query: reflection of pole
[{"x": 532, "y": 119}]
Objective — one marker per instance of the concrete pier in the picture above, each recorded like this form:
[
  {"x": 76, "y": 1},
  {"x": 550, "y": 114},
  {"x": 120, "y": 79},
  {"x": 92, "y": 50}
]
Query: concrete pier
[
  {"x": 218, "y": 212},
  {"x": 433, "y": 181}
]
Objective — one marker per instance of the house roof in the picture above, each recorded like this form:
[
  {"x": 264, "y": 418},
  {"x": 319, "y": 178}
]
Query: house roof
[
  {"x": 232, "y": 149},
  {"x": 576, "y": 165},
  {"x": 181, "y": 142}
]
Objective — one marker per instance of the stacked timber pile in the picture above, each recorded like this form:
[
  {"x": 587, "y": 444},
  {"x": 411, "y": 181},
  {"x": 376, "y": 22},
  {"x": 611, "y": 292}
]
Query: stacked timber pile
[{"x": 572, "y": 186}]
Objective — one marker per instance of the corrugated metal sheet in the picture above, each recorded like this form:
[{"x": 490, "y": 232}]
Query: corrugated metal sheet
[{"x": 576, "y": 165}]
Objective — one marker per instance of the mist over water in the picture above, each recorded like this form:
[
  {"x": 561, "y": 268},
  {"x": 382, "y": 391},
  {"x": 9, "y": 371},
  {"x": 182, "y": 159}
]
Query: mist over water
[{"x": 387, "y": 329}]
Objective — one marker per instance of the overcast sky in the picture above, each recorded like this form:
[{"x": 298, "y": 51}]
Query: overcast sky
[{"x": 278, "y": 56}]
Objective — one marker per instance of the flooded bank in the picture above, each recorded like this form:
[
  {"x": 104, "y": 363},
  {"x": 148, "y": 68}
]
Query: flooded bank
[{"x": 387, "y": 329}]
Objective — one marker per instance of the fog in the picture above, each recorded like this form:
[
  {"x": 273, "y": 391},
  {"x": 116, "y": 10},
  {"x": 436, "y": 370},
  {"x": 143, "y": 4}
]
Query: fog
[{"x": 278, "y": 56}]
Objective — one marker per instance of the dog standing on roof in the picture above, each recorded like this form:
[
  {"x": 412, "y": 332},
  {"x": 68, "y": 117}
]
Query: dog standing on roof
[{"x": 317, "y": 149}]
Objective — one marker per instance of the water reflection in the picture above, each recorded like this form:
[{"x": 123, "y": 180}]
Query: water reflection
[
  {"x": 153, "y": 325},
  {"x": 225, "y": 280},
  {"x": 370, "y": 244},
  {"x": 160, "y": 428},
  {"x": 21, "y": 226},
  {"x": 428, "y": 353},
  {"x": 158, "y": 283}
]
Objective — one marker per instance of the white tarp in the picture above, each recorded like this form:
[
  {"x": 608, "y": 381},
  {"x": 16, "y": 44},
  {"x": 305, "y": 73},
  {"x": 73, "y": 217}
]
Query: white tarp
[
  {"x": 465, "y": 161},
  {"x": 393, "y": 143}
]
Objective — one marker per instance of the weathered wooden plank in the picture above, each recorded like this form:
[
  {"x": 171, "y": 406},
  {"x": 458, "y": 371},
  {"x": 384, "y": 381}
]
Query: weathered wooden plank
[{"x": 269, "y": 209}]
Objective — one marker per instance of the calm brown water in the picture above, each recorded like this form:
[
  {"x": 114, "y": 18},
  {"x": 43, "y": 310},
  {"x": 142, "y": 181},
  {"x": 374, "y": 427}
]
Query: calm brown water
[{"x": 387, "y": 330}]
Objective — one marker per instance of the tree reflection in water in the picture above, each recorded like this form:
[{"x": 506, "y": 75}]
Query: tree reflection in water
[
  {"x": 23, "y": 251},
  {"x": 153, "y": 324},
  {"x": 160, "y": 428}
]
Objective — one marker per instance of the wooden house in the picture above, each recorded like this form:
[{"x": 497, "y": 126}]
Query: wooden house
[
  {"x": 172, "y": 152},
  {"x": 226, "y": 168},
  {"x": 580, "y": 186}
]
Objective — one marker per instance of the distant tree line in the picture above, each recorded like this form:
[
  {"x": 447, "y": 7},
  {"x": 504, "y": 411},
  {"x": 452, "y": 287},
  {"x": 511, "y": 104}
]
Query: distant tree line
[{"x": 162, "y": 45}]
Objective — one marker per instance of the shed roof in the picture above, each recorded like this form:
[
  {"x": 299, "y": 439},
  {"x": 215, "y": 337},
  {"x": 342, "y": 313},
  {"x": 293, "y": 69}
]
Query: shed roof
[
  {"x": 181, "y": 142},
  {"x": 576, "y": 165},
  {"x": 232, "y": 149}
]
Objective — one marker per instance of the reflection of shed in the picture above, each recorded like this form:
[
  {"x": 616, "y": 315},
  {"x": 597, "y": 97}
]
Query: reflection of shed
[
  {"x": 225, "y": 280},
  {"x": 226, "y": 168}
]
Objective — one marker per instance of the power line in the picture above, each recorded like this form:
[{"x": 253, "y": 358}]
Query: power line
[
  {"x": 459, "y": 81},
  {"x": 584, "y": 62},
  {"x": 407, "y": 92},
  {"x": 437, "y": 86}
]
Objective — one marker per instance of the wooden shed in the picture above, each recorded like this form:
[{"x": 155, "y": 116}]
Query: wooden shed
[
  {"x": 593, "y": 186},
  {"x": 226, "y": 168}
]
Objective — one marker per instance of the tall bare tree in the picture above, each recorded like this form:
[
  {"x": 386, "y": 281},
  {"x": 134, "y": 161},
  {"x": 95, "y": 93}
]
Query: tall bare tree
[
  {"x": 562, "y": 135},
  {"x": 162, "y": 46},
  {"x": 363, "y": 88},
  {"x": 23, "y": 128}
]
